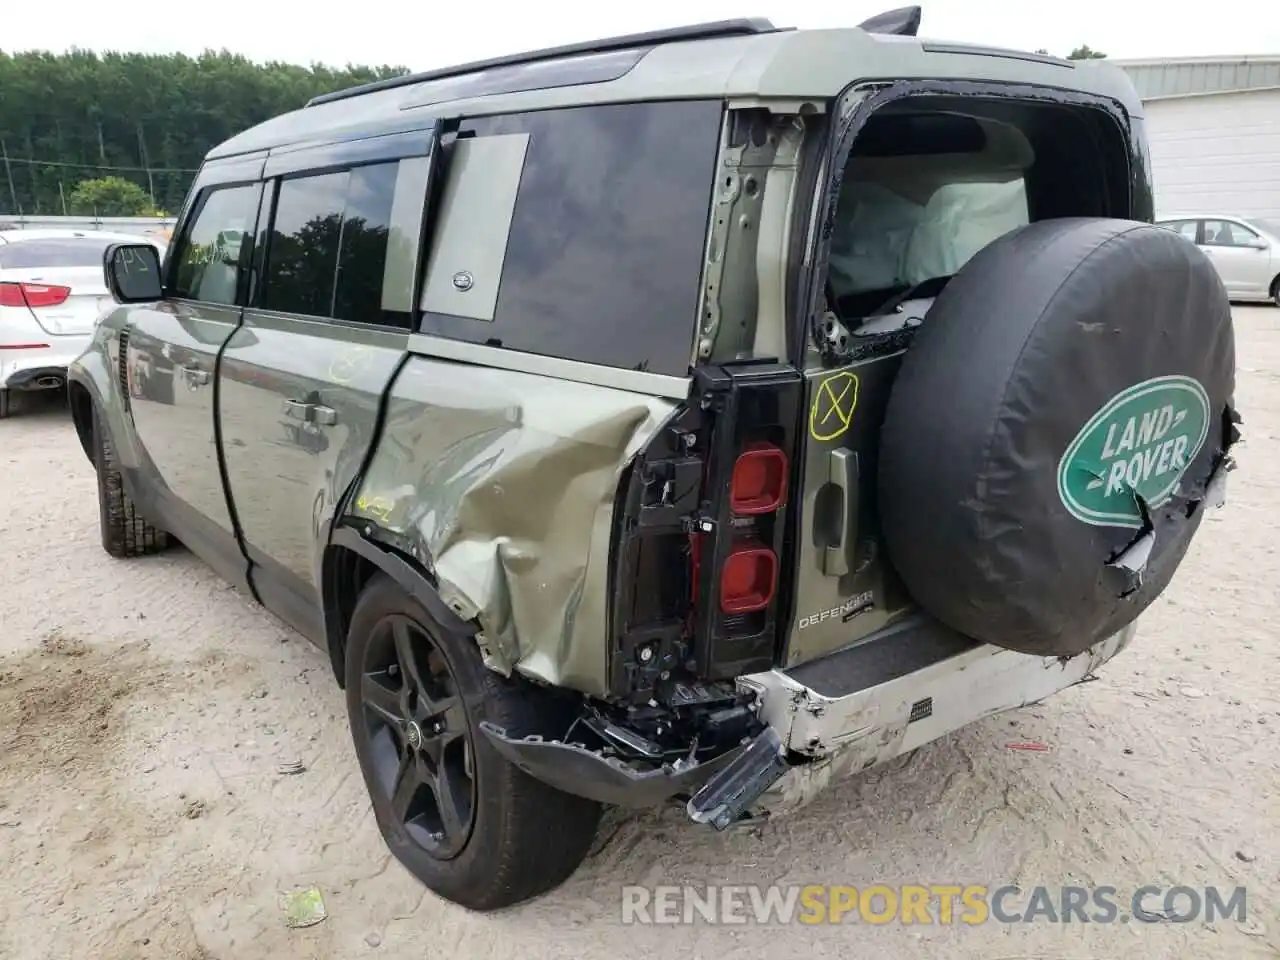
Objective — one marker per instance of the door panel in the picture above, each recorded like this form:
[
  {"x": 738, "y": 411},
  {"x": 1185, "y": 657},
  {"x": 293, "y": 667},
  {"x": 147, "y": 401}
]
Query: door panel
[
  {"x": 171, "y": 359},
  {"x": 298, "y": 403},
  {"x": 171, "y": 355},
  {"x": 1244, "y": 269},
  {"x": 844, "y": 588},
  {"x": 300, "y": 382}
]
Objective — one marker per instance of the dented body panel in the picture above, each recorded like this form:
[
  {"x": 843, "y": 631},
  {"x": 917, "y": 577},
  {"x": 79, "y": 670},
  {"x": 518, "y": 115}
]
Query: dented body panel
[{"x": 502, "y": 485}]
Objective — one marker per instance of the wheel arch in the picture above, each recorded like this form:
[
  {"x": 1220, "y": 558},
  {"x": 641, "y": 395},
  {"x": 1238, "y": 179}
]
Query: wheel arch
[
  {"x": 350, "y": 560},
  {"x": 81, "y": 402}
]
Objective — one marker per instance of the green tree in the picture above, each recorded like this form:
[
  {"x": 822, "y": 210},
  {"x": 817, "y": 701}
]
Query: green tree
[
  {"x": 109, "y": 197},
  {"x": 1084, "y": 52},
  {"x": 144, "y": 118}
]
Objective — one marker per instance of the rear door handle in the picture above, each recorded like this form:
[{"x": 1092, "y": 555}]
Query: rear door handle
[
  {"x": 842, "y": 473},
  {"x": 310, "y": 412},
  {"x": 195, "y": 376}
]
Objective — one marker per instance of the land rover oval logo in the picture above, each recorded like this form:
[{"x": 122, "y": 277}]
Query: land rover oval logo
[{"x": 1142, "y": 440}]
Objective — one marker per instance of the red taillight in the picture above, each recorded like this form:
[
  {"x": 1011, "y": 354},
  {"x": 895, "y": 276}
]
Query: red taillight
[
  {"x": 748, "y": 579},
  {"x": 759, "y": 483},
  {"x": 32, "y": 295}
]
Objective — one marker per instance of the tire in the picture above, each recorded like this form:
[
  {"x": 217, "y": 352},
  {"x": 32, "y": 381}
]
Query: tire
[
  {"x": 125, "y": 532},
  {"x": 1063, "y": 406},
  {"x": 516, "y": 837},
  {"x": 1275, "y": 291},
  {"x": 4, "y": 404}
]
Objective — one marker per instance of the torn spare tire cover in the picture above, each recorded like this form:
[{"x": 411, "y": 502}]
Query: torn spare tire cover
[{"x": 1056, "y": 423}]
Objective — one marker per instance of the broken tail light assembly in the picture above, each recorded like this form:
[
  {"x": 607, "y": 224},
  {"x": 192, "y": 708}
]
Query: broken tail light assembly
[
  {"x": 701, "y": 542},
  {"x": 739, "y": 540}
]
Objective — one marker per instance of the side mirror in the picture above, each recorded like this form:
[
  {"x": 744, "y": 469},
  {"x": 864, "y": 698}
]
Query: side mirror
[
  {"x": 132, "y": 272},
  {"x": 1257, "y": 243}
]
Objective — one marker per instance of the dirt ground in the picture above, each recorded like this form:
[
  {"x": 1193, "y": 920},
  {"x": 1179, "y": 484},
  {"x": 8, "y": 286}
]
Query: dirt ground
[{"x": 146, "y": 711}]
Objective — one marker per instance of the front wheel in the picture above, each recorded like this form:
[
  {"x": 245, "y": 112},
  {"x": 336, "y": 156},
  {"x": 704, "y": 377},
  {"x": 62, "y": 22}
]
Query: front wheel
[
  {"x": 472, "y": 827},
  {"x": 1275, "y": 291},
  {"x": 125, "y": 532}
]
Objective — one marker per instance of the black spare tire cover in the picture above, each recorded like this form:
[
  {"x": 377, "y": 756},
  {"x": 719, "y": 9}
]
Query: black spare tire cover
[{"x": 1062, "y": 409}]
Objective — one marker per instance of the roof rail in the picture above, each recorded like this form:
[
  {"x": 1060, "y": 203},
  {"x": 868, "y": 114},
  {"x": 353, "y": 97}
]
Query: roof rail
[{"x": 698, "y": 31}]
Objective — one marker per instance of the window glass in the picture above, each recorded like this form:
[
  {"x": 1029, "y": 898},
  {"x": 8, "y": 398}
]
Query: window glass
[
  {"x": 1222, "y": 233},
  {"x": 72, "y": 252},
  {"x": 362, "y": 261},
  {"x": 602, "y": 261},
  {"x": 302, "y": 254},
  {"x": 328, "y": 252},
  {"x": 212, "y": 254},
  {"x": 1184, "y": 228}
]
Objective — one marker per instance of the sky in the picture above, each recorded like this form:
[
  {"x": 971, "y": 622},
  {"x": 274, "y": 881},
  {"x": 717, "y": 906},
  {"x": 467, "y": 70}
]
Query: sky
[{"x": 423, "y": 35}]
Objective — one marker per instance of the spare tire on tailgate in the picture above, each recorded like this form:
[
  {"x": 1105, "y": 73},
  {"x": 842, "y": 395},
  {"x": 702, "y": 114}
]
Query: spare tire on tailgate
[{"x": 1051, "y": 439}]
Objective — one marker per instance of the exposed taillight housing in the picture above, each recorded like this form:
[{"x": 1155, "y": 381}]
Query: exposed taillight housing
[
  {"x": 759, "y": 482},
  {"x": 33, "y": 294},
  {"x": 740, "y": 549},
  {"x": 748, "y": 579}
]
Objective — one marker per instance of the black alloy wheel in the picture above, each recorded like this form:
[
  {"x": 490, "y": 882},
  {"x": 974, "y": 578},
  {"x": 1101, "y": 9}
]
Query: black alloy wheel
[
  {"x": 419, "y": 736},
  {"x": 473, "y": 827}
]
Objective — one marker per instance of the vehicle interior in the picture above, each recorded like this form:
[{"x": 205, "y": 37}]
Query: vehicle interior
[{"x": 928, "y": 185}]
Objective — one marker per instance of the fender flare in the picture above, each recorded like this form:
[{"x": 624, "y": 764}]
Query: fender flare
[{"x": 411, "y": 578}]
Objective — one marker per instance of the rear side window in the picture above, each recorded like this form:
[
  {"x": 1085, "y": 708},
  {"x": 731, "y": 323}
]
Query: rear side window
[
  {"x": 210, "y": 256},
  {"x": 330, "y": 253},
  {"x": 1224, "y": 233},
  {"x": 595, "y": 221},
  {"x": 72, "y": 252}
]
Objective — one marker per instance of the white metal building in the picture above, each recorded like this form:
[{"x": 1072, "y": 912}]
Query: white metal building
[{"x": 1214, "y": 127}]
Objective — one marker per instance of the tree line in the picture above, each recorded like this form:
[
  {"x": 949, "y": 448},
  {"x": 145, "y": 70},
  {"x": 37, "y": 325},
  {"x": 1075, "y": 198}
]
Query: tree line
[{"x": 84, "y": 133}]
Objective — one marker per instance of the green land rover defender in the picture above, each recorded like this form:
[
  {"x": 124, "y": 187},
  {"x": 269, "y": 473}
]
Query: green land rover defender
[{"x": 695, "y": 416}]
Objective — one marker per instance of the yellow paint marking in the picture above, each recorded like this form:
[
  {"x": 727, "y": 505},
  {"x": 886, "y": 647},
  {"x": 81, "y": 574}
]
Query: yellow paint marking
[{"x": 833, "y": 404}]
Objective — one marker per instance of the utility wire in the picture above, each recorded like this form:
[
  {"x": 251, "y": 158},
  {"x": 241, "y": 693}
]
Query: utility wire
[{"x": 101, "y": 166}]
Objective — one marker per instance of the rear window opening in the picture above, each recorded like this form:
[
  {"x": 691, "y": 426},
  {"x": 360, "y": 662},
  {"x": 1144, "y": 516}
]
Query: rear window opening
[{"x": 931, "y": 181}]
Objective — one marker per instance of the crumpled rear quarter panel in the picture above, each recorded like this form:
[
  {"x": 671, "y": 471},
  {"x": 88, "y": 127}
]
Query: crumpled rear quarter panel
[{"x": 506, "y": 482}]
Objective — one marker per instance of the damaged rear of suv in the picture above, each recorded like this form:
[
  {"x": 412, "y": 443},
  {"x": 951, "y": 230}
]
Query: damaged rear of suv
[{"x": 770, "y": 403}]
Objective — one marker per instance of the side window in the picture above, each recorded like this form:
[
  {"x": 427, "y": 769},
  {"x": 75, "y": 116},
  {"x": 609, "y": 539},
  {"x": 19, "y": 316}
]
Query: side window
[
  {"x": 1184, "y": 228},
  {"x": 1222, "y": 233},
  {"x": 577, "y": 233},
  {"x": 343, "y": 245},
  {"x": 302, "y": 251},
  {"x": 211, "y": 254}
]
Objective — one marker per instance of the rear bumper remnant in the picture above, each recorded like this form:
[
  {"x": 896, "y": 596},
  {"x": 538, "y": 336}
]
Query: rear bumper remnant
[
  {"x": 589, "y": 773},
  {"x": 839, "y": 731}
]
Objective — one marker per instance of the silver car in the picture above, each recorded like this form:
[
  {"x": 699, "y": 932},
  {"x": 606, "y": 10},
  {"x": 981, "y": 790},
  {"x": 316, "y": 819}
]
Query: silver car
[
  {"x": 1246, "y": 251},
  {"x": 51, "y": 294}
]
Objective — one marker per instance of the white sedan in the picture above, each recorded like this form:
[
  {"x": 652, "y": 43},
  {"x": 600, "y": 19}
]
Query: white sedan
[
  {"x": 51, "y": 295},
  {"x": 1246, "y": 251}
]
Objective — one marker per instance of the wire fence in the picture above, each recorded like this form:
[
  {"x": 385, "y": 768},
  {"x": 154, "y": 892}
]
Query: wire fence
[{"x": 35, "y": 185}]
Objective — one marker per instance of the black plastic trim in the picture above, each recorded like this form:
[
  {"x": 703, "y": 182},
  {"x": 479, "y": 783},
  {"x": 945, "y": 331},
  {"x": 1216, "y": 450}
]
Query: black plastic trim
[
  {"x": 412, "y": 580},
  {"x": 585, "y": 773}
]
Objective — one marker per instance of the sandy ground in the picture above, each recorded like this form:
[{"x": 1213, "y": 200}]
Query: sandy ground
[{"x": 145, "y": 710}]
